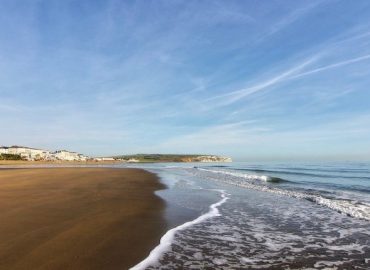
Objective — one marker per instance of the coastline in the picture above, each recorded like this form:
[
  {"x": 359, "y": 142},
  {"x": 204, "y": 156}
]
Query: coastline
[{"x": 78, "y": 218}]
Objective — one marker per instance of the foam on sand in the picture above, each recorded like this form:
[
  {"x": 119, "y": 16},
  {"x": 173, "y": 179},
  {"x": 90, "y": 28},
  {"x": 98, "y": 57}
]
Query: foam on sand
[{"x": 167, "y": 239}]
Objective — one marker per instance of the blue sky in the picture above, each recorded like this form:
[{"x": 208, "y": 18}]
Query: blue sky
[{"x": 255, "y": 80}]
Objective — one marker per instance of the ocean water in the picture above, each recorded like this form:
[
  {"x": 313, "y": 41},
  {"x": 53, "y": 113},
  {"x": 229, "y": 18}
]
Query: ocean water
[{"x": 264, "y": 216}]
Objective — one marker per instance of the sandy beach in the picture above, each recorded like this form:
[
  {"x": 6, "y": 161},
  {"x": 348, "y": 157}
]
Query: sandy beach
[{"x": 78, "y": 218}]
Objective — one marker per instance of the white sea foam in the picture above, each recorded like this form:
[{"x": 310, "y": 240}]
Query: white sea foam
[
  {"x": 256, "y": 233},
  {"x": 247, "y": 176},
  {"x": 328, "y": 264},
  {"x": 167, "y": 239},
  {"x": 352, "y": 208}
]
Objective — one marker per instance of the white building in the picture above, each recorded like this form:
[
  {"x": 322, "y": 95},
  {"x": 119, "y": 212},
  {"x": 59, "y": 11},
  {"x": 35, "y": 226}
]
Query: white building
[
  {"x": 66, "y": 155},
  {"x": 108, "y": 159},
  {"x": 104, "y": 159},
  {"x": 83, "y": 158},
  {"x": 27, "y": 152},
  {"x": 133, "y": 160},
  {"x": 4, "y": 150}
]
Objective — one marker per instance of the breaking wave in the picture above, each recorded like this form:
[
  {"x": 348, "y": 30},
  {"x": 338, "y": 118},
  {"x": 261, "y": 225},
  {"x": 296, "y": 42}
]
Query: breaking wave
[
  {"x": 310, "y": 174},
  {"x": 351, "y": 208},
  {"x": 263, "y": 178}
]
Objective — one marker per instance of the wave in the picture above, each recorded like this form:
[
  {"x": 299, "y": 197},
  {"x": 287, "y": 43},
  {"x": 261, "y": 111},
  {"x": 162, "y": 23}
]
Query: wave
[
  {"x": 167, "y": 238},
  {"x": 263, "y": 178},
  {"x": 338, "y": 186},
  {"x": 303, "y": 173},
  {"x": 329, "y": 170},
  {"x": 351, "y": 208}
]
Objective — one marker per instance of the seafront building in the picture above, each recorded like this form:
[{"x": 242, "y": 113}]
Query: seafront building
[
  {"x": 69, "y": 156},
  {"x": 4, "y": 150},
  {"x": 104, "y": 159},
  {"x": 31, "y": 154},
  {"x": 25, "y": 152}
]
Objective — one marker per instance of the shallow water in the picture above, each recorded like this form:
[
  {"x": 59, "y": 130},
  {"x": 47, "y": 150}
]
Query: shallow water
[{"x": 299, "y": 220}]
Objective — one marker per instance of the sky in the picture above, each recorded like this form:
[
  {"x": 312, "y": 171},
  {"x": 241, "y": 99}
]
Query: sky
[{"x": 254, "y": 80}]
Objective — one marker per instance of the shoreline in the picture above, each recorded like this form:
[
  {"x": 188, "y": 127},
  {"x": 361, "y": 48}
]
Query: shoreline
[
  {"x": 79, "y": 218},
  {"x": 167, "y": 239},
  {"x": 236, "y": 238}
]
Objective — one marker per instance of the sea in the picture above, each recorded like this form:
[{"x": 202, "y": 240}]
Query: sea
[{"x": 263, "y": 216}]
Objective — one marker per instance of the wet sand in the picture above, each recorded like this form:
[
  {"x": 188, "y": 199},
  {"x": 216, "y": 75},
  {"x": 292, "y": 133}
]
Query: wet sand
[{"x": 78, "y": 218}]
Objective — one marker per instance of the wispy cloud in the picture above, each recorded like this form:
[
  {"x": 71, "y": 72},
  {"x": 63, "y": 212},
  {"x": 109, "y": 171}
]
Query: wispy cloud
[
  {"x": 297, "y": 14},
  {"x": 332, "y": 66},
  {"x": 234, "y": 96},
  {"x": 290, "y": 74}
]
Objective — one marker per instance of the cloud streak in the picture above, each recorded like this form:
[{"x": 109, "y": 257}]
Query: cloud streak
[
  {"x": 332, "y": 66},
  {"x": 234, "y": 96}
]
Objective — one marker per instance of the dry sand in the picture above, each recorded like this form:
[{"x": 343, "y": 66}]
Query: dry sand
[{"x": 78, "y": 218}]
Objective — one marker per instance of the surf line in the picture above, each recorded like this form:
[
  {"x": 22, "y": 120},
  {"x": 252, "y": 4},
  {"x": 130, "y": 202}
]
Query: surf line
[{"x": 167, "y": 238}]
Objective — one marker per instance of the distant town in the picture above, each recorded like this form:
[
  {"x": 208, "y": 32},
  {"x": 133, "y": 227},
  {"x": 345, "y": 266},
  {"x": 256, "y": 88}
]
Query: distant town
[{"x": 33, "y": 154}]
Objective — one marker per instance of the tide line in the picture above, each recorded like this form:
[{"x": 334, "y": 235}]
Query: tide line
[{"x": 167, "y": 238}]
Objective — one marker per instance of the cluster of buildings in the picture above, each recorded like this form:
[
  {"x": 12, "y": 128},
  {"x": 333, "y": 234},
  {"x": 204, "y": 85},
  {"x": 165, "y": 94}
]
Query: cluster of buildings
[
  {"x": 30, "y": 154},
  {"x": 130, "y": 160}
]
